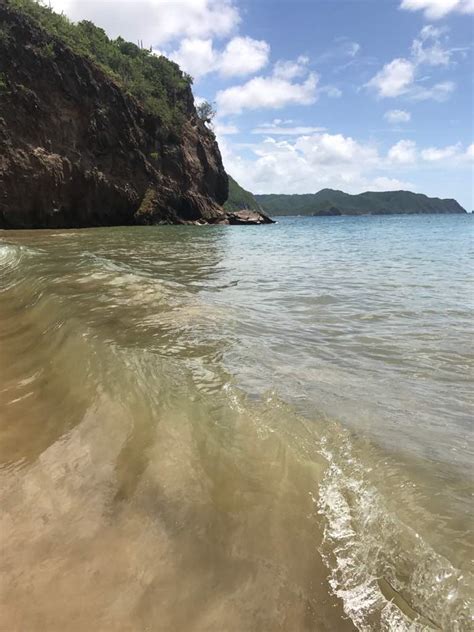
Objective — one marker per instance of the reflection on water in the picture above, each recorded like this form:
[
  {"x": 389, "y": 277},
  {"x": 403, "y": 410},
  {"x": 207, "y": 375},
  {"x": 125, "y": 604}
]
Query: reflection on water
[{"x": 236, "y": 429}]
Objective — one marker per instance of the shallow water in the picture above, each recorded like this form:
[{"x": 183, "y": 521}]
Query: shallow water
[{"x": 237, "y": 428}]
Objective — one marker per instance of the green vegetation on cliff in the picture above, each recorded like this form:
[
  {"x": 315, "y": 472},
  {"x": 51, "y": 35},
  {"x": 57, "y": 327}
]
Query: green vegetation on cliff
[
  {"x": 155, "y": 81},
  {"x": 331, "y": 202},
  {"x": 239, "y": 198}
]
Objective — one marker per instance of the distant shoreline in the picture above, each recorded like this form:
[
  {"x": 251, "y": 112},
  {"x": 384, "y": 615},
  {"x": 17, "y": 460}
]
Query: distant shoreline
[{"x": 386, "y": 214}]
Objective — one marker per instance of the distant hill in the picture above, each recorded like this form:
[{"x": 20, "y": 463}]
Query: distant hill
[
  {"x": 331, "y": 202},
  {"x": 239, "y": 198}
]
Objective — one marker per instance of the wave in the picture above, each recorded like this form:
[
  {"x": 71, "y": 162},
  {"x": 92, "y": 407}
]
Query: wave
[{"x": 387, "y": 575}]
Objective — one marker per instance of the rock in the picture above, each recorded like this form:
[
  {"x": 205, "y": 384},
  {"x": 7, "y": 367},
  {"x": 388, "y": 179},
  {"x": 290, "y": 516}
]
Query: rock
[{"x": 248, "y": 217}]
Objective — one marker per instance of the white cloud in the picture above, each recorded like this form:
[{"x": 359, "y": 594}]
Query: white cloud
[
  {"x": 435, "y": 154},
  {"x": 403, "y": 152},
  {"x": 275, "y": 129},
  {"x": 432, "y": 32},
  {"x": 291, "y": 69},
  {"x": 278, "y": 121},
  {"x": 352, "y": 48},
  {"x": 427, "y": 48},
  {"x": 309, "y": 163},
  {"x": 343, "y": 48},
  {"x": 331, "y": 91},
  {"x": 399, "y": 77},
  {"x": 291, "y": 83},
  {"x": 397, "y": 116},
  {"x": 394, "y": 79},
  {"x": 195, "y": 56},
  {"x": 156, "y": 22},
  {"x": 267, "y": 92},
  {"x": 241, "y": 56},
  {"x": 438, "y": 92},
  {"x": 382, "y": 183},
  {"x": 328, "y": 149},
  {"x": 225, "y": 129},
  {"x": 436, "y": 9}
]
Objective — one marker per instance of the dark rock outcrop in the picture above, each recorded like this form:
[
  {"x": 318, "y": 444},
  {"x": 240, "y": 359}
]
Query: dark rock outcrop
[
  {"x": 246, "y": 216},
  {"x": 77, "y": 151}
]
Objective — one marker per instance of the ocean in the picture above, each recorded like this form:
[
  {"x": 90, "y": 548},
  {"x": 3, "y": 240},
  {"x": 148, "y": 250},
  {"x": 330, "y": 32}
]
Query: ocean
[{"x": 238, "y": 429}]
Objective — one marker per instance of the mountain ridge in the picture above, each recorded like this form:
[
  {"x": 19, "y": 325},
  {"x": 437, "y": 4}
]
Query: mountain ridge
[{"x": 337, "y": 202}]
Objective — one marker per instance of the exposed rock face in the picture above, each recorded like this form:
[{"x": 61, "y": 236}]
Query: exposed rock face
[{"x": 76, "y": 151}]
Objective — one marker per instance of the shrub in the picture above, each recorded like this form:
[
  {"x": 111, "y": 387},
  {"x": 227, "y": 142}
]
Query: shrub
[
  {"x": 3, "y": 83},
  {"x": 156, "y": 82},
  {"x": 47, "y": 50},
  {"x": 206, "y": 112},
  {"x": 5, "y": 35}
]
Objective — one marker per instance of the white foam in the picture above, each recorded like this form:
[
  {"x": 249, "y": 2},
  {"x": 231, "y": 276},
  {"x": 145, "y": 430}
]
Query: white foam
[{"x": 365, "y": 545}]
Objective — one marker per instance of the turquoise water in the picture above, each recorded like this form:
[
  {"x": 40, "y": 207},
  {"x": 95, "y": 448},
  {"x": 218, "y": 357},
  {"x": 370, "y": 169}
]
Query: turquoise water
[
  {"x": 370, "y": 311},
  {"x": 279, "y": 419}
]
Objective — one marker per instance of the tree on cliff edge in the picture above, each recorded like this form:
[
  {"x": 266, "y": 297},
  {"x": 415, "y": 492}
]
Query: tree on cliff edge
[{"x": 206, "y": 112}]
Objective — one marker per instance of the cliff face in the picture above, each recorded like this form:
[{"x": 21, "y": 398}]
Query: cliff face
[{"x": 77, "y": 150}]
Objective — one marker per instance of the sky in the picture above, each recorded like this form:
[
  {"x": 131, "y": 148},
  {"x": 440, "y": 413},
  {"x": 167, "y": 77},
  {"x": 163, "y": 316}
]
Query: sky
[{"x": 354, "y": 95}]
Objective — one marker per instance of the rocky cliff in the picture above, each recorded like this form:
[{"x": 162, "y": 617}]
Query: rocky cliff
[{"x": 78, "y": 149}]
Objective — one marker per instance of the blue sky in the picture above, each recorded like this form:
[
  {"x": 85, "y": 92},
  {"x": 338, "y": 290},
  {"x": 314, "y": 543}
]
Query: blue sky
[{"x": 356, "y": 95}]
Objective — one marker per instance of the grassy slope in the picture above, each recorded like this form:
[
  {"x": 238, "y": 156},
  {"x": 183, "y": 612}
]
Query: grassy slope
[
  {"x": 156, "y": 82},
  {"x": 239, "y": 198},
  {"x": 329, "y": 200}
]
